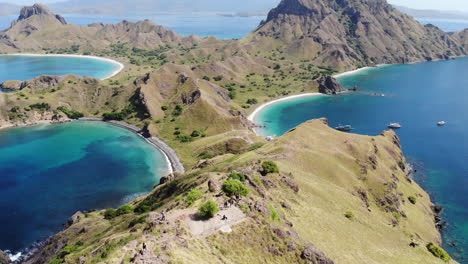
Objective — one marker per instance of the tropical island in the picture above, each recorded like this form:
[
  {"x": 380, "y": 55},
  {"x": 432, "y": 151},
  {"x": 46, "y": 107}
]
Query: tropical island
[{"x": 313, "y": 195}]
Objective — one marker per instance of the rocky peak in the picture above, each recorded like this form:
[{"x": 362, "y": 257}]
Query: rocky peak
[{"x": 38, "y": 9}]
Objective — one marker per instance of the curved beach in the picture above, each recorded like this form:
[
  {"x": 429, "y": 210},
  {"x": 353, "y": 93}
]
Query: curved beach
[
  {"x": 251, "y": 117},
  {"x": 120, "y": 65}
]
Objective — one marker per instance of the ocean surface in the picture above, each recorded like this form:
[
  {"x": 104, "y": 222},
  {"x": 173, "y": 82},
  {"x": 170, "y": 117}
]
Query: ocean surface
[
  {"x": 48, "y": 172},
  {"x": 28, "y": 67},
  {"x": 417, "y": 96},
  {"x": 200, "y": 24}
]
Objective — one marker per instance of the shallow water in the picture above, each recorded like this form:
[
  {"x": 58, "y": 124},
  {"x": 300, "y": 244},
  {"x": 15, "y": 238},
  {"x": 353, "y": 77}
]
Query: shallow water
[
  {"x": 417, "y": 96},
  {"x": 48, "y": 172},
  {"x": 28, "y": 67}
]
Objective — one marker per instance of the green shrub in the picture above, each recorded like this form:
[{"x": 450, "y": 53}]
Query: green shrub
[
  {"x": 70, "y": 113},
  {"x": 277, "y": 67},
  {"x": 196, "y": 133},
  {"x": 110, "y": 213},
  {"x": 349, "y": 215},
  {"x": 270, "y": 167},
  {"x": 142, "y": 208},
  {"x": 218, "y": 78},
  {"x": 397, "y": 216},
  {"x": 124, "y": 209},
  {"x": 246, "y": 106},
  {"x": 438, "y": 252},
  {"x": 274, "y": 214},
  {"x": 412, "y": 199},
  {"x": 233, "y": 187},
  {"x": 208, "y": 209},
  {"x": 137, "y": 221},
  {"x": 184, "y": 138},
  {"x": 192, "y": 196},
  {"x": 232, "y": 94},
  {"x": 252, "y": 101},
  {"x": 40, "y": 106},
  {"x": 206, "y": 78},
  {"x": 178, "y": 110},
  {"x": 237, "y": 176},
  {"x": 15, "y": 109},
  {"x": 164, "y": 107}
]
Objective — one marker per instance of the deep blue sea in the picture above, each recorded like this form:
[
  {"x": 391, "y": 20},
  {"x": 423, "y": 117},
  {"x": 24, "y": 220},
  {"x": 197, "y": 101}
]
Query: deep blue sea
[
  {"x": 48, "y": 172},
  {"x": 28, "y": 67},
  {"x": 417, "y": 96}
]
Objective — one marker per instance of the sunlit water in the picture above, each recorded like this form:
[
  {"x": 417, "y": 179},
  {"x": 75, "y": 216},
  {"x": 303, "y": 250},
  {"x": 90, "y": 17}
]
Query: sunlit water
[
  {"x": 28, "y": 67},
  {"x": 48, "y": 172}
]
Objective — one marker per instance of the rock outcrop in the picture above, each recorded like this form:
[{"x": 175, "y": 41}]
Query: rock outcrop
[
  {"x": 11, "y": 85},
  {"x": 346, "y": 33},
  {"x": 329, "y": 85},
  {"x": 4, "y": 258},
  {"x": 38, "y": 9}
]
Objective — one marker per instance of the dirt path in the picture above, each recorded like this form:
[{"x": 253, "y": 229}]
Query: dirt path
[{"x": 207, "y": 227}]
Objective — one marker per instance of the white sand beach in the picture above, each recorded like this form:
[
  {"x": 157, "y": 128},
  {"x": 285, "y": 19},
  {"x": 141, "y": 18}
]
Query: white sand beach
[
  {"x": 251, "y": 117},
  {"x": 119, "y": 64}
]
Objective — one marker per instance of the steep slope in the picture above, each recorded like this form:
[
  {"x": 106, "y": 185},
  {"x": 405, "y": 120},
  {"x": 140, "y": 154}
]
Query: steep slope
[
  {"x": 328, "y": 203},
  {"x": 345, "y": 33},
  {"x": 38, "y": 28}
]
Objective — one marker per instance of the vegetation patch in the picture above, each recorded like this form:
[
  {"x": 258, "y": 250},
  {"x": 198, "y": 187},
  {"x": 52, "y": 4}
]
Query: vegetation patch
[
  {"x": 234, "y": 187},
  {"x": 412, "y": 199},
  {"x": 269, "y": 167},
  {"x": 192, "y": 196},
  {"x": 438, "y": 252},
  {"x": 70, "y": 113},
  {"x": 208, "y": 209},
  {"x": 237, "y": 176}
]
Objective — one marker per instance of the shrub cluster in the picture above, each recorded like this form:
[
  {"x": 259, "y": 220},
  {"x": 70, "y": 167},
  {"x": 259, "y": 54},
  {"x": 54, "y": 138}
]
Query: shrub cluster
[
  {"x": 40, "y": 106},
  {"x": 412, "y": 199},
  {"x": 237, "y": 176},
  {"x": 269, "y": 167},
  {"x": 438, "y": 252},
  {"x": 234, "y": 187},
  {"x": 208, "y": 209},
  {"x": 124, "y": 209},
  {"x": 70, "y": 113}
]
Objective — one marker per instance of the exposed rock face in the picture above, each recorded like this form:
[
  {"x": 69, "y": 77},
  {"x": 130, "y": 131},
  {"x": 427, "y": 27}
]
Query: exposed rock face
[
  {"x": 11, "y": 85},
  {"x": 4, "y": 258},
  {"x": 345, "y": 33},
  {"x": 315, "y": 256},
  {"x": 38, "y": 9},
  {"x": 329, "y": 85}
]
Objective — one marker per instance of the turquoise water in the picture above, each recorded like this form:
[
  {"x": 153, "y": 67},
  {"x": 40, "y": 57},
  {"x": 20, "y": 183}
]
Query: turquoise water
[
  {"x": 417, "y": 96},
  {"x": 48, "y": 172},
  {"x": 28, "y": 67}
]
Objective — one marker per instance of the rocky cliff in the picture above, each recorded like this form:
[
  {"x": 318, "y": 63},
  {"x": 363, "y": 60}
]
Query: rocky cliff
[{"x": 346, "y": 33}]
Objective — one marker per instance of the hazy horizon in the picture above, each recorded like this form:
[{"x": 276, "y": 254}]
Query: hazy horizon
[{"x": 447, "y": 5}]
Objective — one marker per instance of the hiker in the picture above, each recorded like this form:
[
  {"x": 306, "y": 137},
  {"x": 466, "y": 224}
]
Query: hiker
[
  {"x": 224, "y": 218},
  {"x": 163, "y": 216}
]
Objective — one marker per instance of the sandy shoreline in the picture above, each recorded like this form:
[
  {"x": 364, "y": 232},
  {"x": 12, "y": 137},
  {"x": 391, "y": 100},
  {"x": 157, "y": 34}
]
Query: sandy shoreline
[
  {"x": 117, "y": 71},
  {"x": 251, "y": 117}
]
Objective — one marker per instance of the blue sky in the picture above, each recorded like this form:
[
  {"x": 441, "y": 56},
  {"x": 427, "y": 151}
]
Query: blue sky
[{"x": 460, "y": 5}]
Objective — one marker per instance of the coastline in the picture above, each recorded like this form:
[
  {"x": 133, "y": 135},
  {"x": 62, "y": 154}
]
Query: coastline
[
  {"x": 120, "y": 65},
  {"x": 251, "y": 117}
]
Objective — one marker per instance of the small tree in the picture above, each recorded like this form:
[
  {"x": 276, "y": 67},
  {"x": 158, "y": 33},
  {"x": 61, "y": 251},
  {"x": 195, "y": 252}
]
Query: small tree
[
  {"x": 438, "y": 252},
  {"x": 208, "y": 209},
  {"x": 206, "y": 78},
  {"x": 269, "y": 167},
  {"x": 233, "y": 187},
  {"x": 110, "y": 213}
]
